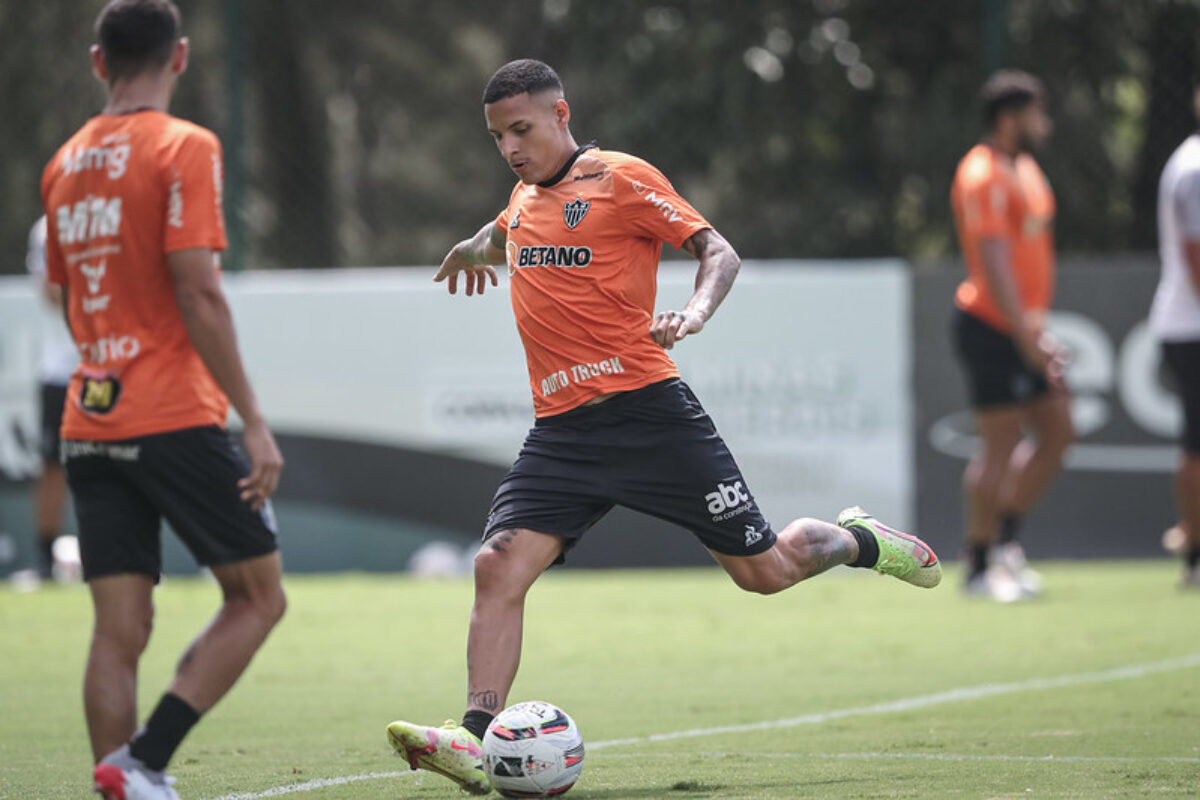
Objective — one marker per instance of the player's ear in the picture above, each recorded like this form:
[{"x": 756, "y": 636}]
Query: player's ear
[
  {"x": 562, "y": 112},
  {"x": 99, "y": 65},
  {"x": 179, "y": 56}
]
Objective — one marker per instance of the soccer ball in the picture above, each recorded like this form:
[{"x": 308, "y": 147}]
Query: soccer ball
[{"x": 532, "y": 749}]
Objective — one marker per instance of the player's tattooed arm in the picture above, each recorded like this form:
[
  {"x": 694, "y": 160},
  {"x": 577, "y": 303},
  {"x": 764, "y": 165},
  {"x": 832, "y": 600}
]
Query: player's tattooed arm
[
  {"x": 719, "y": 265},
  {"x": 474, "y": 258}
]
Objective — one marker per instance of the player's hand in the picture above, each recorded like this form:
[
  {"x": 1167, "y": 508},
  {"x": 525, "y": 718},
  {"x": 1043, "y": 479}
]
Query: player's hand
[
  {"x": 669, "y": 327},
  {"x": 1056, "y": 362},
  {"x": 266, "y": 463},
  {"x": 476, "y": 275},
  {"x": 1047, "y": 357}
]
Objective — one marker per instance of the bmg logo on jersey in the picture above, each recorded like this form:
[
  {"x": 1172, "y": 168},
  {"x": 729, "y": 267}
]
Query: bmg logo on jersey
[{"x": 729, "y": 500}]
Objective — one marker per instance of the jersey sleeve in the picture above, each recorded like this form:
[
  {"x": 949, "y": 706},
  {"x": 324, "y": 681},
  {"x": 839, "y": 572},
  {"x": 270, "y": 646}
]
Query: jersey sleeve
[
  {"x": 195, "y": 214},
  {"x": 651, "y": 207},
  {"x": 985, "y": 205},
  {"x": 1187, "y": 205}
]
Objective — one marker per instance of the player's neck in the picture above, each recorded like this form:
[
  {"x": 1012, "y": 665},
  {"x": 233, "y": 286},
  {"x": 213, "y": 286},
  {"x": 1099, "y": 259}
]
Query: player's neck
[
  {"x": 141, "y": 93},
  {"x": 1002, "y": 143},
  {"x": 568, "y": 153}
]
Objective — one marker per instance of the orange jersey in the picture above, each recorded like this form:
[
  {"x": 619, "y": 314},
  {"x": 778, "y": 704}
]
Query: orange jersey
[
  {"x": 583, "y": 265},
  {"x": 995, "y": 197},
  {"x": 123, "y": 192}
]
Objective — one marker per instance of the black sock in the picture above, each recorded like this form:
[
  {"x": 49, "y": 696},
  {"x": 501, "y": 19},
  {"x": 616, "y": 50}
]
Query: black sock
[
  {"x": 46, "y": 555},
  {"x": 154, "y": 744},
  {"x": 1010, "y": 524},
  {"x": 477, "y": 721},
  {"x": 868, "y": 548},
  {"x": 978, "y": 554},
  {"x": 1192, "y": 557}
]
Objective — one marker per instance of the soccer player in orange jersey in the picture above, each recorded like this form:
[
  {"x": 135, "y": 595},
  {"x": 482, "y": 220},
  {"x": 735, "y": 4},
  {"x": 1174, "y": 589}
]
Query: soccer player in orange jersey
[
  {"x": 615, "y": 425},
  {"x": 1004, "y": 212},
  {"x": 133, "y": 203}
]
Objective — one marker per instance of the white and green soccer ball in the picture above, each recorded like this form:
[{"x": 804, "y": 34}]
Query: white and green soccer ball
[{"x": 533, "y": 749}]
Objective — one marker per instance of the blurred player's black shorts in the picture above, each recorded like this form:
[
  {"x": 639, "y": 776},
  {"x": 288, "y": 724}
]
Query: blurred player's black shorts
[
  {"x": 653, "y": 450},
  {"x": 1183, "y": 362},
  {"x": 996, "y": 374},
  {"x": 123, "y": 489}
]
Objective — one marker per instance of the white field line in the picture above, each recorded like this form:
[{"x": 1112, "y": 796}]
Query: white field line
[
  {"x": 313, "y": 785},
  {"x": 910, "y": 703},
  {"x": 658, "y": 754},
  {"x": 904, "y": 704}
]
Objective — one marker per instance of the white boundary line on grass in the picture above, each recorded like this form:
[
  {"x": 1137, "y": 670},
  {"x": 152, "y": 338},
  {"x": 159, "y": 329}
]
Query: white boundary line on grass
[
  {"x": 868, "y": 756},
  {"x": 910, "y": 703},
  {"x": 904, "y": 704}
]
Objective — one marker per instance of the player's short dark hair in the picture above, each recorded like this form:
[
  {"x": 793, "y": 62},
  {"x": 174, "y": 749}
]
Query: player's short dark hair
[
  {"x": 1008, "y": 90},
  {"x": 136, "y": 35},
  {"x": 520, "y": 76}
]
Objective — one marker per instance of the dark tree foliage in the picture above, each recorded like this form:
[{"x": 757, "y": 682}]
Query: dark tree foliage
[{"x": 801, "y": 128}]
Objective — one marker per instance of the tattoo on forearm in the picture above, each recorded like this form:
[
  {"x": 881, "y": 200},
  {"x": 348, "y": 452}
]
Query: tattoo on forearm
[{"x": 488, "y": 699}]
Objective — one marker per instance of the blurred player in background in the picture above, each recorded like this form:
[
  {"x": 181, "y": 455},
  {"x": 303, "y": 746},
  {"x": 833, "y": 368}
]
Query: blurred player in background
[
  {"x": 1175, "y": 321},
  {"x": 1004, "y": 213},
  {"x": 58, "y": 362},
  {"x": 582, "y": 235},
  {"x": 133, "y": 201}
]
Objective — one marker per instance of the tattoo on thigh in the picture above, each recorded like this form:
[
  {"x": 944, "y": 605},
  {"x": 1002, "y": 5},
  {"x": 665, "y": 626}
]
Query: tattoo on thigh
[
  {"x": 488, "y": 700},
  {"x": 501, "y": 540}
]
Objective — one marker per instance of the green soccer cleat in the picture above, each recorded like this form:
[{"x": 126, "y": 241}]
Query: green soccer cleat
[
  {"x": 450, "y": 750},
  {"x": 900, "y": 555}
]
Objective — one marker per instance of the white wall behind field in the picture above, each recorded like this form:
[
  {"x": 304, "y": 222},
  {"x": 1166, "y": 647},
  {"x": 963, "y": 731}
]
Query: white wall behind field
[{"x": 805, "y": 370}]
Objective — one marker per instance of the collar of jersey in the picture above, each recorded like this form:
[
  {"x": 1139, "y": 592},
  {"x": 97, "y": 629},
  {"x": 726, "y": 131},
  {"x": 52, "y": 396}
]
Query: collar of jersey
[{"x": 562, "y": 173}]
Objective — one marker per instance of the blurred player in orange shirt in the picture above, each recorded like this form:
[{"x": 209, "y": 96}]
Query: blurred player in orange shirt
[
  {"x": 1004, "y": 212},
  {"x": 133, "y": 205},
  {"x": 615, "y": 425}
]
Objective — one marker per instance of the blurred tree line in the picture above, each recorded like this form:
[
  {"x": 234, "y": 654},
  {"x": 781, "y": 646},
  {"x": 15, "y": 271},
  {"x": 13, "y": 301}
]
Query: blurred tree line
[{"x": 801, "y": 128}]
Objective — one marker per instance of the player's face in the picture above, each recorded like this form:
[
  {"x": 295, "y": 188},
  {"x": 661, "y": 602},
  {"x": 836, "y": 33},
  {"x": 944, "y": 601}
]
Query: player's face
[
  {"x": 531, "y": 133},
  {"x": 1033, "y": 127}
]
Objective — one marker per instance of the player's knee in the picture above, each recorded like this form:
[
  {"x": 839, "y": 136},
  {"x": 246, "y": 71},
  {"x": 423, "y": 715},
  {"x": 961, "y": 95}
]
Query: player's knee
[
  {"x": 272, "y": 605},
  {"x": 491, "y": 569},
  {"x": 499, "y": 575},
  {"x": 265, "y": 603},
  {"x": 129, "y": 635}
]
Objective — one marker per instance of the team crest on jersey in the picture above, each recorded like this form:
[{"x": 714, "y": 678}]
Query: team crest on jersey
[
  {"x": 516, "y": 220},
  {"x": 575, "y": 211}
]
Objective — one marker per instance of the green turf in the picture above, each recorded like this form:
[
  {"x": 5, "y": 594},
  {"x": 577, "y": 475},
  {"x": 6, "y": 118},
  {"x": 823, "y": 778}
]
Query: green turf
[{"x": 632, "y": 654}]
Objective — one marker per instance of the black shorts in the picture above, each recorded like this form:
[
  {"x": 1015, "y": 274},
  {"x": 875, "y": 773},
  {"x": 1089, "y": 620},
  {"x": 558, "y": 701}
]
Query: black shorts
[
  {"x": 123, "y": 489},
  {"x": 1183, "y": 361},
  {"x": 54, "y": 396},
  {"x": 996, "y": 373},
  {"x": 653, "y": 450}
]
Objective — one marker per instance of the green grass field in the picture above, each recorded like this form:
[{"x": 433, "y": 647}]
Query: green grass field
[{"x": 878, "y": 689}]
